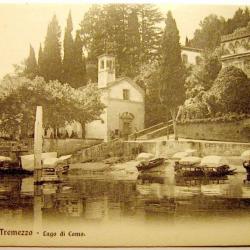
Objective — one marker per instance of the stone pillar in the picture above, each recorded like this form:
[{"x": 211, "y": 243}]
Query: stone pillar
[{"x": 38, "y": 142}]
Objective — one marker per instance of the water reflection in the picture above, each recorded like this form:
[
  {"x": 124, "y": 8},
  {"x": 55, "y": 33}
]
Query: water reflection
[{"x": 97, "y": 200}]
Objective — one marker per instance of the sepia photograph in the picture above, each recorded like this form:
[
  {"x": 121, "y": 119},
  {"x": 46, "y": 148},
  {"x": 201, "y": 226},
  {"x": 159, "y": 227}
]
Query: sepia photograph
[{"x": 124, "y": 124}]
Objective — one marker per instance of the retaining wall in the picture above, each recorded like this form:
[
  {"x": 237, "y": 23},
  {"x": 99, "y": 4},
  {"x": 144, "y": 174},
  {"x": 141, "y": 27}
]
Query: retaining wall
[
  {"x": 237, "y": 131},
  {"x": 160, "y": 148},
  {"x": 64, "y": 146}
]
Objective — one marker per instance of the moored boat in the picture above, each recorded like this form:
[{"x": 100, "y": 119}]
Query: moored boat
[
  {"x": 214, "y": 165},
  {"x": 208, "y": 166},
  {"x": 10, "y": 166},
  {"x": 27, "y": 161},
  {"x": 143, "y": 166},
  {"x": 49, "y": 160}
]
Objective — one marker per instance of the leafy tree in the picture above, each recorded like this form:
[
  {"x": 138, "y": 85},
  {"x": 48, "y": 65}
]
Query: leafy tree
[
  {"x": 52, "y": 62},
  {"x": 19, "y": 97},
  {"x": 68, "y": 55},
  {"x": 209, "y": 34},
  {"x": 150, "y": 18},
  {"x": 31, "y": 68},
  {"x": 202, "y": 76},
  {"x": 240, "y": 19},
  {"x": 172, "y": 90},
  {"x": 212, "y": 27},
  {"x": 230, "y": 92},
  {"x": 130, "y": 32},
  {"x": 93, "y": 31},
  {"x": 149, "y": 79}
]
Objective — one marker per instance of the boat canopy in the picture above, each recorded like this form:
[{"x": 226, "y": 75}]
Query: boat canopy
[{"x": 213, "y": 161}]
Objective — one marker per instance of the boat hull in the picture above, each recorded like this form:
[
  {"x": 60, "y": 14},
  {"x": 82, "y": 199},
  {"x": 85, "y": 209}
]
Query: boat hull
[
  {"x": 193, "y": 171},
  {"x": 151, "y": 164}
]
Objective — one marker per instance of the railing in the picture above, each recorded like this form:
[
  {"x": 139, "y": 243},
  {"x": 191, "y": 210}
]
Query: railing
[
  {"x": 149, "y": 130},
  {"x": 165, "y": 131}
]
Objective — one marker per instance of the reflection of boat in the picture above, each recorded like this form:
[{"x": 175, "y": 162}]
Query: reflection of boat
[
  {"x": 199, "y": 180},
  {"x": 149, "y": 178},
  {"x": 51, "y": 175},
  {"x": 150, "y": 164},
  {"x": 160, "y": 205}
]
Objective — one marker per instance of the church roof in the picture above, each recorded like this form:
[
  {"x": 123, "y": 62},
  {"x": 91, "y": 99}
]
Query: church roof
[{"x": 118, "y": 80}]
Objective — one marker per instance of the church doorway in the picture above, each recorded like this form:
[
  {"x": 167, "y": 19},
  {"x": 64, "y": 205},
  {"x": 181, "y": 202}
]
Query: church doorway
[{"x": 126, "y": 122}]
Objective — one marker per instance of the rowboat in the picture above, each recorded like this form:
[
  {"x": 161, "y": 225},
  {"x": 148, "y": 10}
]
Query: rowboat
[
  {"x": 143, "y": 166},
  {"x": 194, "y": 170}
]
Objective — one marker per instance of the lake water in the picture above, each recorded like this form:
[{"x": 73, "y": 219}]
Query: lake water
[{"x": 154, "y": 210}]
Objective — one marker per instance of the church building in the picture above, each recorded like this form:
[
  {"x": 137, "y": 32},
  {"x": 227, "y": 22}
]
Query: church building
[{"x": 124, "y": 101}]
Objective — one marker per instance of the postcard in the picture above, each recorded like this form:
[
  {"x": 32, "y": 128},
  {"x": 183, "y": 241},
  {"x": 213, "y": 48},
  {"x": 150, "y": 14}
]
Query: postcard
[{"x": 124, "y": 124}]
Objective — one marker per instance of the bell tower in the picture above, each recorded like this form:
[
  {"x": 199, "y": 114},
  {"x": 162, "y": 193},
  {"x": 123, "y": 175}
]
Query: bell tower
[{"x": 106, "y": 70}]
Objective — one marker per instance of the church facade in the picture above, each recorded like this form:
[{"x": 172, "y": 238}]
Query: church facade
[{"x": 124, "y": 101}]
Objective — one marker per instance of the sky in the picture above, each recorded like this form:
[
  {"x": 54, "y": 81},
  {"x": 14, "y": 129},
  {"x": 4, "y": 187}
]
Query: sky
[{"x": 22, "y": 24}]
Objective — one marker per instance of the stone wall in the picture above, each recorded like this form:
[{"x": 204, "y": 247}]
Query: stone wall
[
  {"x": 238, "y": 131},
  {"x": 166, "y": 149},
  {"x": 64, "y": 146}
]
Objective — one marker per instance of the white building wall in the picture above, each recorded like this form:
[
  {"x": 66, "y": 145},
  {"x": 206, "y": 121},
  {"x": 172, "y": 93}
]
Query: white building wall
[
  {"x": 118, "y": 107},
  {"x": 116, "y": 91},
  {"x": 191, "y": 56},
  {"x": 98, "y": 129}
]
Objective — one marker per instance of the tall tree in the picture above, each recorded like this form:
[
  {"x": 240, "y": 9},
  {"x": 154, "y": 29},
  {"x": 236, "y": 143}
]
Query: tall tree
[
  {"x": 133, "y": 44},
  {"x": 40, "y": 62},
  {"x": 149, "y": 18},
  {"x": 240, "y": 19},
  {"x": 172, "y": 71},
  {"x": 68, "y": 55},
  {"x": 208, "y": 35},
  {"x": 202, "y": 76},
  {"x": 31, "y": 68},
  {"x": 52, "y": 62},
  {"x": 127, "y": 31},
  {"x": 93, "y": 32},
  {"x": 78, "y": 77}
]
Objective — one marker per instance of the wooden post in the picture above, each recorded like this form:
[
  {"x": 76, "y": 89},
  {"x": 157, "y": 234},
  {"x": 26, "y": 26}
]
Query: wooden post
[{"x": 38, "y": 141}]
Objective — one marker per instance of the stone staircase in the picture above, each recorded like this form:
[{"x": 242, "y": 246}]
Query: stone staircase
[{"x": 158, "y": 130}]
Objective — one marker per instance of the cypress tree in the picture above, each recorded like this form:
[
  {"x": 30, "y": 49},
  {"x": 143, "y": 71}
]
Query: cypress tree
[
  {"x": 31, "y": 68},
  {"x": 68, "y": 45},
  {"x": 172, "y": 89},
  {"x": 40, "y": 61},
  {"x": 79, "y": 65},
  {"x": 52, "y": 62},
  {"x": 133, "y": 44}
]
